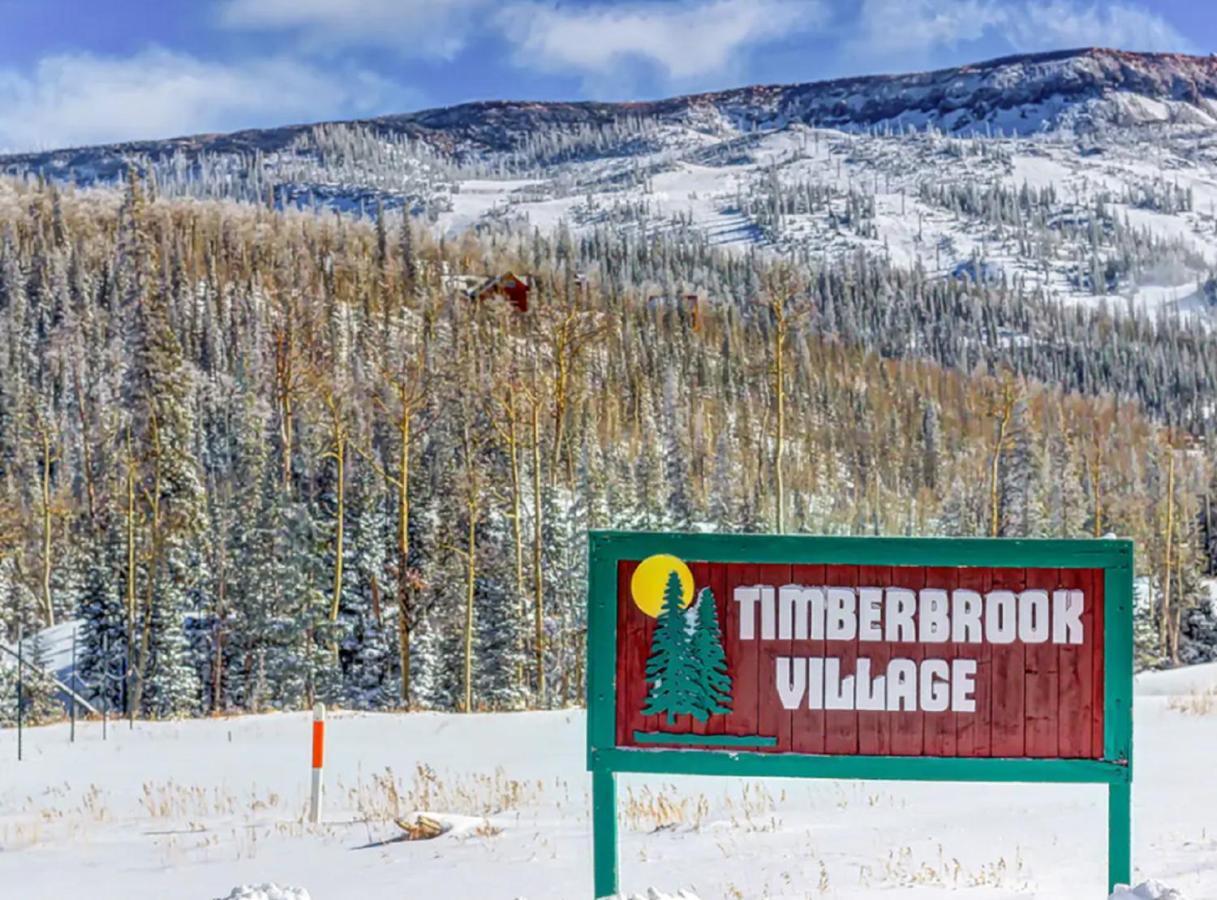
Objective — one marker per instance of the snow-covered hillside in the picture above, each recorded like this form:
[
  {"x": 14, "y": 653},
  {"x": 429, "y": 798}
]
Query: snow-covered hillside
[
  {"x": 192, "y": 809},
  {"x": 1091, "y": 174}
]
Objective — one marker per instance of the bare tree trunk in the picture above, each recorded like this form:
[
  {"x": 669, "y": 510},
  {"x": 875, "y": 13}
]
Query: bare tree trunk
[
  {"x": 1096, "y": 489},
  {"x": 470, "y": 576},
  {"x": 130, "y": 599},
  {"x": 538, "y": 577},
  {"x": 217, "y": 673},
  {"x": 48, "y": 604},
  {"x": 339, "y": 520},
  {"x": 517, "y": 534},
  {"x": 1165, "y": 623},
  {"x": 1004, "y": 413},
  {"x": 779, "y": 387},
  {"x": 511, "y": 436},
  {"x": 153, "y": 562},
  {"x": 403, "y": 550},
  {"x": 86, "y": 451}
]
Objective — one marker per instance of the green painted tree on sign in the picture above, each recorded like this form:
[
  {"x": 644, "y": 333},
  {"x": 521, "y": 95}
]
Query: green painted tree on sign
[
  {"x": 687, "y": 668},
  {"x": 672, "y": 669},
  {"x": 711, "y": 659}
]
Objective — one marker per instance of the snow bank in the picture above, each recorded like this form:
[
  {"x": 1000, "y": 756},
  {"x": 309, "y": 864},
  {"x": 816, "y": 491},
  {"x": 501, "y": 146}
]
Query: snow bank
[
  {"x": 1181, "y": 682},
  {"x": 268, "y": 892},
  {"x": 1150, "y": 890}
]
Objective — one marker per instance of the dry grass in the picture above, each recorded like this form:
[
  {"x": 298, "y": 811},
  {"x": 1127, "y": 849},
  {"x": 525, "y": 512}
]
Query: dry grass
[
  {"x": 385, "y": 797},
  {"x": 664, "y": 808},
  {"x": 903, "y": 869},
  {"x": 1197, "y": 703}
]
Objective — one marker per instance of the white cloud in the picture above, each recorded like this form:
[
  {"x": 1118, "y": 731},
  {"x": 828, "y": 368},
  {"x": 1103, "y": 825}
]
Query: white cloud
[
  {"x": 920, "y": 26},
  {"x": 75, "y": 99},
  {"x": 684, "y": 39},
  {"x": 1062, "y": 24},
  {"x": 916, "y": 28},
  {"x": 426, "y": 28}
]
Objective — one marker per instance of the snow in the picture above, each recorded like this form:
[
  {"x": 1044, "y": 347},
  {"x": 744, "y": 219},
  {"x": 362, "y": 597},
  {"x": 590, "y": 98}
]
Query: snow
[
  {"x": 220, "y": 802},
  {"x": 1178, "y": 682},
  {"x": 699, "y": 178},
  {"x": 1150, "y": 890}
]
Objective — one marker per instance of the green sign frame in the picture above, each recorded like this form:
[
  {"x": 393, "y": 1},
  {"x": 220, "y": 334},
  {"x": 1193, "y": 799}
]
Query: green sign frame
[{"x": 605, "y": 760}]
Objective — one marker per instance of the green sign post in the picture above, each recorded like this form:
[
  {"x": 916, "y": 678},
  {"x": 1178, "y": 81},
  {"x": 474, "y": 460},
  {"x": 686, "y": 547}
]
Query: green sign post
[{"x": 930, "y": 659}]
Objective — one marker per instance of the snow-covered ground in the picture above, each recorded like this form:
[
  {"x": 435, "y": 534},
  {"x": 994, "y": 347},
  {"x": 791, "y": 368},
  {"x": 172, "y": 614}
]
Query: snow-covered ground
[
  {"x": 196, "y": 809},
  {"x": 701, "y": 185}
]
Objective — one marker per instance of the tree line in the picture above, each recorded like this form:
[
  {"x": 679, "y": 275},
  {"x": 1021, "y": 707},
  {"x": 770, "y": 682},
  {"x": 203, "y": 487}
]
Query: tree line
[{"x": 270, "y": 457}]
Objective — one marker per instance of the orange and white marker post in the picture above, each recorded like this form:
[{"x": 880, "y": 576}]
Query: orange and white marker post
[{"x": 314, "y": 807}]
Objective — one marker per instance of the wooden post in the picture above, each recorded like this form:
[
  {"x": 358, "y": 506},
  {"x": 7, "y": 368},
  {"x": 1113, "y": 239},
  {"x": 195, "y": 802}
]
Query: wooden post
[
  {"x": 1119, "y": 835},
  {"x": 314, "y": 806},
  {"x": 604, "y": 832}
]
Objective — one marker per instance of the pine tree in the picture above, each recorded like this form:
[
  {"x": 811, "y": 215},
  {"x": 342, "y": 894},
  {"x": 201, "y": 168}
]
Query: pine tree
[
  {"x": 671, "y": 669},
  {"x": 498, "y": 635},
  {"x": 707, "y": 648},
  {"x": 22, "y": 615},
  {"x": 40, "y": 693},
  {"x": 370, "y": 654},
  {"x": 103, "y": 634}
]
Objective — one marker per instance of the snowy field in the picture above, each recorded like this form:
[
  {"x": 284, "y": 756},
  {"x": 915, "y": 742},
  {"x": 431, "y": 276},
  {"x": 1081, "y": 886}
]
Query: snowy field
[{"x": 193, "y": 809}]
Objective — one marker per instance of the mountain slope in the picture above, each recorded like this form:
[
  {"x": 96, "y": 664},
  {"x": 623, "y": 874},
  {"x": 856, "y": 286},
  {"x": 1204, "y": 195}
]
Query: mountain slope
[{"x": 1085, "y": 174}]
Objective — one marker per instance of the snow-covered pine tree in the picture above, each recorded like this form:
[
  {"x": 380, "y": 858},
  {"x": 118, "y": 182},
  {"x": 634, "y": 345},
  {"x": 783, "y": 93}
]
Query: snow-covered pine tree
[
  {"x": 41, "y": 694},
  {"x": 723, "y": 504},
  {"x": 370, "y": 647},
  {"x": 499, "y": 626},
  {"x": 159, "y": 392},
  {"x": 103, "y": 632},
  {"x": 679, "y": 505},
  {"x": 1017, "y": 474},
  {"x": 21, "y": 607}
]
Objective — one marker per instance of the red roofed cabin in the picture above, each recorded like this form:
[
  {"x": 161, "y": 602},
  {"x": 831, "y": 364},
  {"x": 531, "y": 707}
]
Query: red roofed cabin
[{"x": 507, "y": 286}]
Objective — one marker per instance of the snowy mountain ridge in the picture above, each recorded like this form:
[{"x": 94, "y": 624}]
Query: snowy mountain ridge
[
  {"x": 1024, "y": 94},
  {"x": 1087, "y": 175}
]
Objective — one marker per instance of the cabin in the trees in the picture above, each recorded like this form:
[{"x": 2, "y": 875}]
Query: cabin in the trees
[{"x": 509, "y": 287}]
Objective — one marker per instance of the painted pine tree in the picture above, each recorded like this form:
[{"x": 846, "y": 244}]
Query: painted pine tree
[
  {"x": 708, "y": 654},
  {"x": 672, "y": 671}
]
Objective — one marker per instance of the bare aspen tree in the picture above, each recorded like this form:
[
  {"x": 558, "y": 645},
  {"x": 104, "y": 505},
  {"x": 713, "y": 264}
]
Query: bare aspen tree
[
  {"x": 339, "y": 434},
  {"x": 130, "y": 542},
  {"x": 567, "y": 331},
  {"x": 48, "y": 455},
  {"x": 781, "y": 300},
  {"x": 405, "y": 381},
  {"x": 1165, "y": 620},
  {"x": 1001, "y": 410},
  {"x": 152, "y": 562},
  {"x": 1094, "y": 468},
  {"x": 507, "y": 428},
  {"x": 533, "y": 394},
  {"x": 472, "y": 479},
  {"x": 86, "y": 445},
  {"x": 289, "y": 385}
]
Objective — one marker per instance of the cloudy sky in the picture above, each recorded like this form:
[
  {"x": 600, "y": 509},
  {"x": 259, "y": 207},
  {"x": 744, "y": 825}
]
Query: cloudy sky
[{"x": 87, "y": 71}]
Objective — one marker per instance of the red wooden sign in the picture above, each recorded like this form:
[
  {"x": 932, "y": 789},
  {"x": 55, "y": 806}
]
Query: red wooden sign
[{"x": 860, "y": 660}]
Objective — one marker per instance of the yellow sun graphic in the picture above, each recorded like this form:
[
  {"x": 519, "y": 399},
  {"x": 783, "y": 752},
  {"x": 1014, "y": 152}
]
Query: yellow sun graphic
[{"x": 651, "y": 578}]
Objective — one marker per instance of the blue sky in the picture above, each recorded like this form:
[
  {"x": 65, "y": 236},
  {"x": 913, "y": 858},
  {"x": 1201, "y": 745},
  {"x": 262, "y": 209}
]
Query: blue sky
[{"x": 86, "y": 71}]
